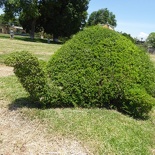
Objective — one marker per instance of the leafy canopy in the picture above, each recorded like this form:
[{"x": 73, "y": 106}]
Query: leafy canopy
[
  {"x": 63, "y": 18},
  {"x": 151, "y": 39},
  {"x": 58, "y": 18},
  {"x": 102, "y": 16}
]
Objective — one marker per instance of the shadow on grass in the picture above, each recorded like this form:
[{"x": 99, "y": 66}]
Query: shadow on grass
[
  {"x": 22, "y": 102},
  {"x": 27, "y": 102},
  {"x": 5, "y": 37},
  {"x": 36, "y": 40},
  {"x": 28, "y": 39}
]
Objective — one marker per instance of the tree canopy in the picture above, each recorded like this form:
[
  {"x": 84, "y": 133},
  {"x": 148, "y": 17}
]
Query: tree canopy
[
  {"x": 2, "y": 21},
  {"x": 151, "y": 40},
  {"x": 5, "y": 21},
  {"x": 102, "y": 16},
  {"x": 26, "y": 10},
  {"x": 63, "y": 18},
  {"x": 56, "y": 17}
]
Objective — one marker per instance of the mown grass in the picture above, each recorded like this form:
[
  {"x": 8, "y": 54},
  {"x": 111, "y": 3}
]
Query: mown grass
[
  {"x": 101, "y": 131},
  {"x": 39, "y": 47},
  {"x": 11, "y": 89}
]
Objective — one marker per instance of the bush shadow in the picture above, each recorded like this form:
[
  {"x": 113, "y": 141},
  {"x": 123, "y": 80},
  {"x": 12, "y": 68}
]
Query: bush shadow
[
  {"x": 28, "y": 103},
  {"x": 21, "y": 103},
  {"x": 28, "y": 39},
  {"x": 36, "y": 40},
  {"x": 4, "y": 36}
]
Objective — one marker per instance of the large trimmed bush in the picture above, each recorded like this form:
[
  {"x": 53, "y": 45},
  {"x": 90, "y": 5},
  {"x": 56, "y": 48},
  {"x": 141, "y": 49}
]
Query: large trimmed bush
[
  {"x": 96, "y": 68},
  {"x": 101, "y": 68}
]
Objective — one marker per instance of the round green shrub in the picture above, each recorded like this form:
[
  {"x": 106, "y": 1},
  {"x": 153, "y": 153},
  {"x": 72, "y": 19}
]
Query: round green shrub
[
  {"x": 99, "y": 67},
  {"x": 32, "y": 74}
]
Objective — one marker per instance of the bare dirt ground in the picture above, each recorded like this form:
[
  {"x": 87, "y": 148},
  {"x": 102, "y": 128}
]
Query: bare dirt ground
[{"x": 22, "y": 136}]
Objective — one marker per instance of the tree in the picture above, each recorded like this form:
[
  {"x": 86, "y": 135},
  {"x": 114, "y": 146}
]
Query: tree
[
  {"x": 6, "y": 21},
  {"x": 102, "y": 16},
  {"x": 29, "y": 15},
  {"x": 27, "y": 10},
  {"x": 151, "y": 40},
  {"x": 57, "y": 17},
  {"x": 2, "y": 3},
  {"x": 63, "y": 18},
  {"x": 2, "y": 20}
]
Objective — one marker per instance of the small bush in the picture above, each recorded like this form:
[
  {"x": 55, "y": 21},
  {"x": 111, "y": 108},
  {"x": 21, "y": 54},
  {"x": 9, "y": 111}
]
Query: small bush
[
  {"x": 99, "y": 68},
  {"x": 32, "y": 76}
]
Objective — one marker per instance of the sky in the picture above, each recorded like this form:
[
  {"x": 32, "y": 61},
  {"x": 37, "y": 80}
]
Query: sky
[{"x": 135, "y": 17}]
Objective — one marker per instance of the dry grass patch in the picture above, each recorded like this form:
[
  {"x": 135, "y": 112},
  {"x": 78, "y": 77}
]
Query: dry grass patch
[
  {"x": 152, "y": 57},
  {"x": 20, "y": 135},
  {"x": 6, "y": 71}
]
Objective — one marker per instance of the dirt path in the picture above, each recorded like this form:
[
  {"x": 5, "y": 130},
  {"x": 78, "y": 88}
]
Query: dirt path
[{"x": 21, "y": 136}]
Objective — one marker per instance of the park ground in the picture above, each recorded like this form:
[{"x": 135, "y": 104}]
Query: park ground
[{"x": 63, "y": 131}]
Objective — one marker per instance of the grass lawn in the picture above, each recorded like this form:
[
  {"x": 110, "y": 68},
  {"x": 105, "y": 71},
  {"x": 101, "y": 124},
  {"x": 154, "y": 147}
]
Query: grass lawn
[
  {"x": 101, "y": 131},
  {"x": 39, "y": 47}
]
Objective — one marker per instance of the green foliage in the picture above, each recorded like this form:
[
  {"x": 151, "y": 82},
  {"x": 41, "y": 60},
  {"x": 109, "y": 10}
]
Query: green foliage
[
  {"x": 102, "y": 16},
  {"x": 151, "y": 40},
  {"x": 99, "y": 68},
  {"x": 138, "y": 102},
  {"x": 33, "y": 78},
  {"x": 63, "y": 18},
  {"x": 58, "y": 18},
  {"x": 2, "y": 20},
  {"x": 128, "y": 36},
  {"x": 27, "y": 11}
]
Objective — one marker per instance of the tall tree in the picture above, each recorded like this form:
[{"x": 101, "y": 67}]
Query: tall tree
[
  {"x": 151, "y": 40},
  {"x": 29, "y": 15},
  {"x": 63, "y": 18},
  {"x": 2, "y": 2},
  {"x": 27, "y": 10},
  {"x": 57, "y": 17},
  {"x": 2, "y": 20},
  {"x": 102, "y": 16}
]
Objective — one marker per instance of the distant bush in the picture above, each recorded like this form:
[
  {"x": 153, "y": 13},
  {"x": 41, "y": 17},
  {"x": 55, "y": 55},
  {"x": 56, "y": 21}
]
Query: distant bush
[
  {"x": 101, "y": 68},
  {"x": 31, "y": 74}
]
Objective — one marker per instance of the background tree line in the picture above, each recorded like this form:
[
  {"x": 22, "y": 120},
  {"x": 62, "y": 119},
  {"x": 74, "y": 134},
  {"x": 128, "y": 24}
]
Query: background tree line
[{"x": 55, "y": 17}]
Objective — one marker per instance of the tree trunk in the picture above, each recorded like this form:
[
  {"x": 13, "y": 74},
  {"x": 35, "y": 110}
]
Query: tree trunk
[
  {"x": 32, "y": 31},
  {"x": 55, "y": 38}
]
